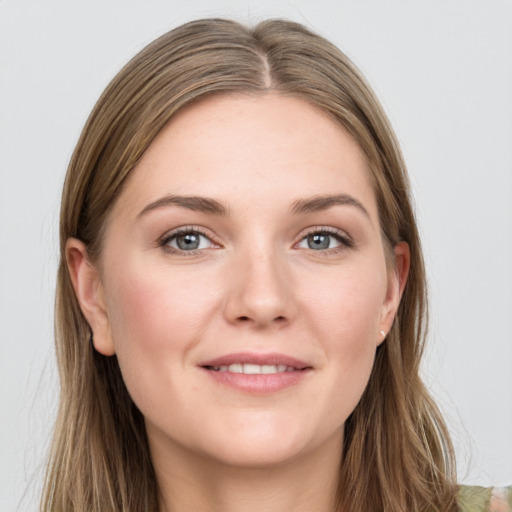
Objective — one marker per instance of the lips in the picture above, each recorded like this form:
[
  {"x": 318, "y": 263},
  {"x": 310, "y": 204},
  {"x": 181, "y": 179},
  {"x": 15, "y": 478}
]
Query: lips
[
  {"x": 250, "y": 363},
  {"x": 257, "y": 373},
  {"x": 253, "y": 369}
]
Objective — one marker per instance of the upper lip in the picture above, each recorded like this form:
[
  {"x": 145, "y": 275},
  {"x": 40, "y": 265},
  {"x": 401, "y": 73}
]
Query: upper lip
[{"x": 255, "y": 358}]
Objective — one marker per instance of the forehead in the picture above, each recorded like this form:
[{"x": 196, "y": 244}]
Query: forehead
[{"x": 250, "y": 148}]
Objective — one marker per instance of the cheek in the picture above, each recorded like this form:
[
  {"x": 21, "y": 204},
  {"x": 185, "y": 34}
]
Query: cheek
[
  {"x": 156, "y": 320},
  {"x": 348, "y": 305},
  {"x": 154, "y": 309},
  {"x": 347, "y": 316}
]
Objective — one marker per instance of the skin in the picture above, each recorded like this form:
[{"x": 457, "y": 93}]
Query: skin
[{"x": 256, "y": 284}]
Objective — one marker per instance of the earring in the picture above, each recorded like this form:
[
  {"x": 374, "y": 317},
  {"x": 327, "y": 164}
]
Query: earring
[{"x": 383, "y": 333}]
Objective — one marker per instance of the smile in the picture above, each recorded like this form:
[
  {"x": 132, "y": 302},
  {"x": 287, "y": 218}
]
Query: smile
[
  {"x": 257, "y": 373},
  {"x": 253, "y": 369}
]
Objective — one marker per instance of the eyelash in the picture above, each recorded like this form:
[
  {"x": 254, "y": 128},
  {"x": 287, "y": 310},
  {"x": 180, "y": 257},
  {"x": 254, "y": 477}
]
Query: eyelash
[
  {"x": 167, "y": 238},
  {"x": 340, "y": 236},
  {"x": 344, "y": 240}
]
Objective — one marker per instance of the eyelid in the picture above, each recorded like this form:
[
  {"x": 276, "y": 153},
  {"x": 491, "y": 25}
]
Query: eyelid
[
  {"x": 164, "y": 240},
  {"x": 342, "y": 236}
]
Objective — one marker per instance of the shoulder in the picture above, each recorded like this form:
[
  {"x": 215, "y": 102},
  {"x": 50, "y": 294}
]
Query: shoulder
[
  {"x": 501, "y": 499},
  {"x": 485, "y": 499}
]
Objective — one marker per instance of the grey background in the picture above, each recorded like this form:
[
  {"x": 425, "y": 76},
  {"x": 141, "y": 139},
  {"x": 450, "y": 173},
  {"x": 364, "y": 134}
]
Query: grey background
[{"x": 443, "y": 70}]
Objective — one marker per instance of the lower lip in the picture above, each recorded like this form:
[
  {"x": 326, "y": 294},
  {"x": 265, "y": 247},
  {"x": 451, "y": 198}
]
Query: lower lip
[{"x": 259, "y": 383}]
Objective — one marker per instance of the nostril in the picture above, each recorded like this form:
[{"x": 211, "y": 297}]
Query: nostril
[{"x": 279, "y": 319}]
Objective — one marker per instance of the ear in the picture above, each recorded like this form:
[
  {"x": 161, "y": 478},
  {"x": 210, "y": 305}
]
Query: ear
[
  {"x": 89, "y": 292},
  {"x": 396, "y": 283}
]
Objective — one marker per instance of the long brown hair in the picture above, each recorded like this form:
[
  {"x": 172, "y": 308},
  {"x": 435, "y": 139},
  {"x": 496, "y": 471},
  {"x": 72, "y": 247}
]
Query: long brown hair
[{"x": 397, "y": 454}]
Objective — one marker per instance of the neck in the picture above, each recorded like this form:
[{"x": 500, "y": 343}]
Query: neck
[{"x": 190, "y": 481}]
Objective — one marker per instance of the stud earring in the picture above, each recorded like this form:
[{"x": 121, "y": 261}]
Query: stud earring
[{"x": 383, "y": 333}]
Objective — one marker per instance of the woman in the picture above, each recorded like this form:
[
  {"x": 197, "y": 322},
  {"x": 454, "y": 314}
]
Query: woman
[{"x": 241, "y": 297}]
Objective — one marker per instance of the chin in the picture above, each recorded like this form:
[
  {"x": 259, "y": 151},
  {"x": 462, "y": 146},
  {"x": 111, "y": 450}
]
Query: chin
[
  {"x": 245, "y": 454},
  {"x": 266, "y": 444}
]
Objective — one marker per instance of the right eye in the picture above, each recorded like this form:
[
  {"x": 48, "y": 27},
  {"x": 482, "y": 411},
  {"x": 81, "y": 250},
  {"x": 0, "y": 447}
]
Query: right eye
[{"x": 187, "y": 240}]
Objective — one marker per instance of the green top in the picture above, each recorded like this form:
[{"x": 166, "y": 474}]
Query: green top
[{"x": 485, "y": 499}]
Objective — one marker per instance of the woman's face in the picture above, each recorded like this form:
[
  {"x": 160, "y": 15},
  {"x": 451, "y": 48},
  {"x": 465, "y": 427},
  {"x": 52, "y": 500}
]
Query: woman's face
[{"x": 243, "y": 283}]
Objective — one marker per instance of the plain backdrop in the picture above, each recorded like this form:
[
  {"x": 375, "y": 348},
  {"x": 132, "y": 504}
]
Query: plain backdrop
[{"x": 443, "y": 70}]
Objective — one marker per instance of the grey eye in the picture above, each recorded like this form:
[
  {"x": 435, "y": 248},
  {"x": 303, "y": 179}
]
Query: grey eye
[
  {"x": 189, "y": 241},
  {"x": 319, "y": 241}
]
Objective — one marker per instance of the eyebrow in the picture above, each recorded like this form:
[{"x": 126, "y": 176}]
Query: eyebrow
[
  {"x": 195, "y": 203},
  {"x": 211, "y": 206},
  {"x": 323, "y": 202}
]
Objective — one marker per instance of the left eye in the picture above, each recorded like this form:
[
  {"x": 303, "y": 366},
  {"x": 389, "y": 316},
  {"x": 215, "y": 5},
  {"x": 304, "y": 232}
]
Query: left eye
[
  {"x": 320, "y": 241},
  {"x": 188, "y": 241}
]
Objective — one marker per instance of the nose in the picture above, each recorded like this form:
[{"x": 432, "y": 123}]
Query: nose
[{"x": 259, "y": 291}]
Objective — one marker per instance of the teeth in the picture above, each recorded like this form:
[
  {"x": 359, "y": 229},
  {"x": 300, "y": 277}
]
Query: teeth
[
  {"x": 254, "y": 369},
  {"x": 251, "y": 369}
]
